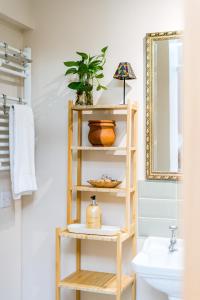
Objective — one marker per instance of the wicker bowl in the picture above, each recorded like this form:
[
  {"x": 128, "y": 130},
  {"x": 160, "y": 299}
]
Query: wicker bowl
[{"x": 101, "y": 183}]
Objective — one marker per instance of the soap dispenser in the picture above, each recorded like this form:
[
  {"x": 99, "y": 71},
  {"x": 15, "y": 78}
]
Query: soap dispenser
[{"x": 93, "y": 215}]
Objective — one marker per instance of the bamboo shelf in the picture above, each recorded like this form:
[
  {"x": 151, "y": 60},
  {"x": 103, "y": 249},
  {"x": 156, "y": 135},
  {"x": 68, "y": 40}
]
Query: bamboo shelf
[
  {"x": 92, "y": 281},
  {"x": 98, "y": 282},
  {"x": 89, "y": 148},
  {"x": 88, "y": 188},
  {"x": 104, "y": 107},
  {"x": 112, "y": 238}
]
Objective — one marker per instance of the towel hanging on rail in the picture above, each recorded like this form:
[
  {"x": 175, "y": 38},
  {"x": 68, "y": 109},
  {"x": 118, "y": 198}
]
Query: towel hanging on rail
[{"x": 21, "y": 144}]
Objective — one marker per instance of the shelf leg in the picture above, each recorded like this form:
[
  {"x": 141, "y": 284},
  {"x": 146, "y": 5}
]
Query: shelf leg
[
  {"x": 134, "y": 166},
  {"x": 128, "y": 167},
  {"x": 78, "y": 264},
  {"x": 79, "y": 168},
  {"x": 119, "y": 266},
  {"x": 78, "y": 201},
  {"x": 78, "y": 295},
  {"x": 69, "y": 172},
  {"x": 134, "y": 198},
  {"x": 57, "y": 263},
  {"x": 133, "y": 291},
  {"x": 133, "y": 288}
]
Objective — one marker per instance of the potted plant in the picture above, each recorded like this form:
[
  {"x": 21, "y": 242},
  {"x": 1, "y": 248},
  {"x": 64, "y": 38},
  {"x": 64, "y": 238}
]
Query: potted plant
[{"x": 89, "y": 72}]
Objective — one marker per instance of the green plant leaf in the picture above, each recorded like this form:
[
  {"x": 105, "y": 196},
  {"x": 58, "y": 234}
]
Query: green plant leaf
[
  {"x": 101, "y": 87},
  {"x": 71, "y": 63},
  {"x": 83, "y": 69},
  {"x": 99, "y": 68},
  {"x": 75, "y": 86},
  {"x": 71, "y": 71},
  {"x": 103, "y": 50},
  {"x": 99, "y": 75},
  {"x": 83, "y": 55},
  {"x": 95, "y": 62},
  {"x": 91, "y": 58}
]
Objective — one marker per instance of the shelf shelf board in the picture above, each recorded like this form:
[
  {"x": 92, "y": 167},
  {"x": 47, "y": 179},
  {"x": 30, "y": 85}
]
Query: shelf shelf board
[
  {"x": 96, "y": 282},
  {"x": 88, "y": 188},
  {"x": 107, "y": 238},
  {"x": 103, "y": 107},
  {"x": 93, "y": 148}
]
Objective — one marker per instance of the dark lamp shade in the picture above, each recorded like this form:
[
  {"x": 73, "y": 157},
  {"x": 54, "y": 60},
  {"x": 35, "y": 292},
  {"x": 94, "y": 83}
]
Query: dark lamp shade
[{"x": 124, "y": 72}]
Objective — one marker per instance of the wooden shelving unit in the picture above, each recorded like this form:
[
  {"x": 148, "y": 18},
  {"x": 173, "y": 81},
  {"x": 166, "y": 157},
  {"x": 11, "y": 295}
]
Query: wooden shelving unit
[{"x": 92, "y": 281}]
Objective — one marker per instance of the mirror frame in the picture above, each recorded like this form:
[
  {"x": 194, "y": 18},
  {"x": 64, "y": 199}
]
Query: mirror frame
[{"x": 150, "y": 173}]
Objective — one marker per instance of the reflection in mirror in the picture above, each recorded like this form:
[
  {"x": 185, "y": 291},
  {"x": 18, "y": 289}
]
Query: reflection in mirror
[{"x": 164, "y": 138}]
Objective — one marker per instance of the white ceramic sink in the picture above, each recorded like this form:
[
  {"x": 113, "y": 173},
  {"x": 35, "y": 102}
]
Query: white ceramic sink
[{"x": 162, "y": 269}]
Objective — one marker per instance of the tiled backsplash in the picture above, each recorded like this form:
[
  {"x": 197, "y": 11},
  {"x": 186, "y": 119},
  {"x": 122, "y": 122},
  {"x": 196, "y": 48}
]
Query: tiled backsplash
[{"x": 158, "y": 207}]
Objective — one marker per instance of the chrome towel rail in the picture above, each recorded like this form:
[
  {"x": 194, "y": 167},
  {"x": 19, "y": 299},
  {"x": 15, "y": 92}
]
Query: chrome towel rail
[
  {"x": 11, "y": 52},
  {"x": 16, "y": 63},
  {"x": 13, "y": 61},
  {"x": 12, "y": 72},
  {"x": 4, "y": 129},
  {"x": 4, "y": 144},
  {"x": 6, "y": 105}
]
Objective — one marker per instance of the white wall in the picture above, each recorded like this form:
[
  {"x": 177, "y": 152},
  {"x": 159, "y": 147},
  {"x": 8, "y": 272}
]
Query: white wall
[
  {"x": 18, "y": 12},
  {"x": 10, "y": 218},
  {"x": 62, "y": 28}
]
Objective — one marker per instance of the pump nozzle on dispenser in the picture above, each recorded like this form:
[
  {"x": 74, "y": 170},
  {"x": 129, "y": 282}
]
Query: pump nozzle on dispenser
[{"x": 93, "y": 198}]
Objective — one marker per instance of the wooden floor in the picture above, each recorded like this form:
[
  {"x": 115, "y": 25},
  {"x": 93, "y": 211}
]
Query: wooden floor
[{"x": 98, "y": 282}]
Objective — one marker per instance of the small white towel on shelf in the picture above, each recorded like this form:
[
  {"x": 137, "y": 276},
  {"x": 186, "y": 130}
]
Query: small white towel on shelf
[{"x": 22, "y": 150}]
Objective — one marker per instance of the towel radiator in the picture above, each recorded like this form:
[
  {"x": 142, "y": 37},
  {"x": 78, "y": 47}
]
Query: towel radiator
[{"x": 17, "y": 63}]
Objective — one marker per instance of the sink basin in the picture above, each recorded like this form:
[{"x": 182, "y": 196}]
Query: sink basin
[{"x": 160, "y": 268}]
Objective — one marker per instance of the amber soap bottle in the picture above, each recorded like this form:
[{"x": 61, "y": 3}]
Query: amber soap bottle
[{"x": 93, "y": 215}]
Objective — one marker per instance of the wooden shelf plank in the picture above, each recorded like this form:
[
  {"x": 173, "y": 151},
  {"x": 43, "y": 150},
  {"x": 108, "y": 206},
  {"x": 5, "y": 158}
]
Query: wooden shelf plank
[
  {"x": 93, "y": 148},
  {"x": 103, "y": 107},
  {"x": 96, "y": 282},
  {"x": 107, "y": 238},
  {"x": 88, "y": 188}
]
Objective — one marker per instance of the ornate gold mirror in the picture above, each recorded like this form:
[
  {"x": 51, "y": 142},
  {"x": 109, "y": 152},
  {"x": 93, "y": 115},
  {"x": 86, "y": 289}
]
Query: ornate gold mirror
[{"x": 163, "y": 105}]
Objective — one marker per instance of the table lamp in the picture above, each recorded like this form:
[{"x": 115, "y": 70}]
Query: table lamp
[{"x": 124, "y": 72}]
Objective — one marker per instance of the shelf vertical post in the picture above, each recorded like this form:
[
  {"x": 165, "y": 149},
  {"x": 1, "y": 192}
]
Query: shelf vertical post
[
  {"x": 119, "y": 266},
  {"x": 128, "y": 165},
  {"x": 79, "y": 167},
  {"x": 69, "y": 173},
  {"x": 57, "y": 263},
  {"x": 133, "y": 289},
  {"x": 134, "y": 195},
  {"x": 78, "y": 197}
]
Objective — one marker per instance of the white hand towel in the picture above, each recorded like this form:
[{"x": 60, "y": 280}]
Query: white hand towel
[{"x": 22, "y": 144}]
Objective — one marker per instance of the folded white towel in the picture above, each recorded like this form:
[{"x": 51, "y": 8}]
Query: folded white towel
[{"x": 22, "y": 144}]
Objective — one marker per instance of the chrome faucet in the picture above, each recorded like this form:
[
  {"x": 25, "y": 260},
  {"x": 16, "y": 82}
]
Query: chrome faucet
[{"x": 173, "y": 240}]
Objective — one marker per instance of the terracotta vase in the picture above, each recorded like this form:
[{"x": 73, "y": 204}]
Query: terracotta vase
[{"x": 102, "y": 132}]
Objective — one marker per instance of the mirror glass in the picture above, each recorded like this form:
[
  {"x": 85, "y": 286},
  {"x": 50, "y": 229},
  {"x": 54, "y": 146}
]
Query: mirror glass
[{"x": 165, "y": 79}]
